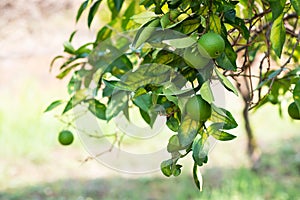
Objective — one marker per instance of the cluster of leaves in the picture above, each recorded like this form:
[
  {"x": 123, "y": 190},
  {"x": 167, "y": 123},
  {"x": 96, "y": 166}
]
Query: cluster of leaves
[{"x": 146, "y": 68}]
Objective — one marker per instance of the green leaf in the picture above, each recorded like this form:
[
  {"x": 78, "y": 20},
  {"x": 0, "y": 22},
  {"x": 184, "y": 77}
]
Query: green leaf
[
  {"x": 166, "y": 167},
  {"x": 76, "y": 99},
  {"x": 173, "y": 145},
  {"x": 93, "y": 11},
  {"x": 170, "y": 89},
  {"x": 196, "y": 177},
  {"x": 227, "y": 84},
  {"x": 67, "y": 71},
  {"x": 143, "y": 17},
  {"x": 72, "y": 36},
  {"x": 240, "y": 25},
  {"x": 215, "y": 24},
  {"x": 176, "y": 171},
  {"x": 278, "y": 34},
  {"x": 128, "y": 14},
  {"x": 146, "y": 117},
  {"x": 296, "y": 94},
  {"x": 103, "y": 34},
  {"x": 53, "y": 61},
  {"x": 206, "y": 92},
  {"x": 145, "y": 32},
  {"x": 227, "y": 60},
  {"x": 115, "y": 7},
  {"x": 156, "y": 74},
  {"x": 103, "y": 56},
  {"x": 187, "y": 131},
  {"x": 144, "y": 102},
  {"x": 277, "y": 7},
  {"x": 270, "y": 77},
  {"x": 118, "y": 4},
  {"x": 68, "y": 48},
  {"x": 83, "y": 49},
  {"x": 81, "y": 9},
  {"x": 116, "y": 104},
  {"x": 74, "y": 84},
  {"x": 214, "y": 131},
  {"x": 180, "y": 42},
  {"x": 97, "y": 108},
  {"x": 223, "y": 118},
  {"x": 53, "y": 105},
  {"x": 173, "y": 124},
  {"x": 200, "y": 150},
  {"x": 296, "y": 6}
]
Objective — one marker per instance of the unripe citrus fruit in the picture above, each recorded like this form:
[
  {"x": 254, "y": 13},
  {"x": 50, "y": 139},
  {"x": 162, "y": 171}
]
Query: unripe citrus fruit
[
  {"x": 294, "y": 111},
  {"x": 194, "y": 59},
  {"x": 65, "y": 137},
  {"x": 198, "y": 109},
  {"x": 211, "y": 45}
]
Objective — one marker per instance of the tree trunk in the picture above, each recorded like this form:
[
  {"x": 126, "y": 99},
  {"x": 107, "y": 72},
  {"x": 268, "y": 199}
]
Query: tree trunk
[{"x": 253, "y": 149}]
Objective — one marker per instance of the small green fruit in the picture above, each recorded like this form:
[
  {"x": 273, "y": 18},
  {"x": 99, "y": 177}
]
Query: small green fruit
[
  {"x": 198, "y": 109},
  {"x": 211, "y": 45},
  {"x": 65, "y": 137}
]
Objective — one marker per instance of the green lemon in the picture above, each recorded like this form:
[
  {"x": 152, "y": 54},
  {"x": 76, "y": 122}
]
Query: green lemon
[
  {"x": 198, "y": 109},
  {"x": 65, "y": 137},
  {"x": 293, "y": 111},
  {"x": 194, "y": 59},
  {"x": 211, "y": 45}
]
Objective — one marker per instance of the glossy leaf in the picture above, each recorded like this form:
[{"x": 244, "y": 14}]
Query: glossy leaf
[
  {"x": 143, "y": 17},
  {"x": 197, "y": 177},
  {"x": 187, "y": 131},
  {"x": 81, "y": 9},
  {"x": 218, "y": 134},
  {"x": 227, "y": 60},
  {"x": 173, "y": 124},
  {"x": 74, "y": 84},
  {"x": 272, "y": 75},
  {"x": 154, "y": 73},
  {"x": 116, "y": 104},
  {"x": 93, "y": 11},
  {"x": 53, "y": 61},
  {"x": 277, "y": 7},
  {"x": 206, "y": 92},
  {"x": 68, "y": 48},
  {"x": 72, "y": 36},
  {"x": 97, "y": 108},
  {"x": 278, "y": 34},
  {"x": 227, "y": 84},
  {"x": 65, "y": 72},
  {"x": 145, "y": 32},
  {"x": 180, "y": 42},
  {"x": 144, "y": 102},
  {"x": 296, "y": 6},
  {"x": 240, "y": 25},
  {"x": 128, "y": 13},
  {"x": 103, "y": 34},
  {"x": 76, "y": 99},
  {"x": 215, "y": 24},
  {"x": 166, "y": 167},
  {"x": 173, "y": 145},
  {"x": 53, "y": 105},
  {"x": 223, "y": 118},
  {"x": 200, "y": 150},
  {"x": 115, "y": 7}
]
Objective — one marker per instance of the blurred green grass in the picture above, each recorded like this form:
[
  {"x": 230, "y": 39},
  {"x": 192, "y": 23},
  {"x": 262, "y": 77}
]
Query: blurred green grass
[{"x": 277, "y": 179}]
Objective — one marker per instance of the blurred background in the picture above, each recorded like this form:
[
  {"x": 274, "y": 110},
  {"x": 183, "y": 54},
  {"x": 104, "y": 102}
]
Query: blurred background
[{"x": 34, "y": 166}]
